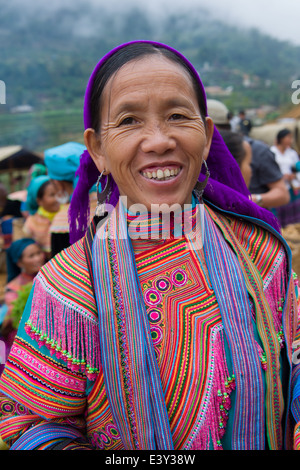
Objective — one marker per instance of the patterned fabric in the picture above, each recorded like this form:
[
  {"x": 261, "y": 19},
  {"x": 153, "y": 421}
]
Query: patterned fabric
[
  {"x": 11, "y": 294},
  {"x": 181, "y": 306},
  {"x": 297, "y": 437},
  {"x": 128, "y": 358},
  {"x": 230, "y": 289},
  {"x": 55, "y": 373},
  {"x": 60, "y": 223},
  {"x": 63, "y": 290}
]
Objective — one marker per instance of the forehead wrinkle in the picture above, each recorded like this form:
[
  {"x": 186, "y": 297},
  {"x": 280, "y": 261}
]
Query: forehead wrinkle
[{"x": 131, "y": 65}]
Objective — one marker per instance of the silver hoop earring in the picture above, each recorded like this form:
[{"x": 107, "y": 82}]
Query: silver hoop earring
[
  {"x": 104, "y": 195},
  {"x": 201, "y": 185}
]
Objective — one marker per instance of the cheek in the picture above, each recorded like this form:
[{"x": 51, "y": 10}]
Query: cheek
[{"x": 119, "y": 155}]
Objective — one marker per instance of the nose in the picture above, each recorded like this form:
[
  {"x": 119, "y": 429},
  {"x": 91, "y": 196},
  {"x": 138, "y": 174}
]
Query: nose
[{"x": 157, "y": 139}]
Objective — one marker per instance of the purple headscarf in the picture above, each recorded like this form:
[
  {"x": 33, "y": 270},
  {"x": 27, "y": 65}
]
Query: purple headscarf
[{"x": 226, "y": 187}]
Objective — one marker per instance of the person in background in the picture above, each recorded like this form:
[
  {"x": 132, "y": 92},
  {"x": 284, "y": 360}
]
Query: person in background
[
  {"x": 62, "y": 163},
  {"x": 234, "y": 122},
  {"x": 241, "y": 150},
  {"x": 287, "y": 158},
  {"x": 37, "y": 169},
  {"x": 10, "y": 211},
  {"x": 24, "y": 259},
  {"x": 266, "y": 185},
  {"x": 42, "y": 205},
  {"x": 219, "y": 113},
  {"x": 245, "y": 124}
]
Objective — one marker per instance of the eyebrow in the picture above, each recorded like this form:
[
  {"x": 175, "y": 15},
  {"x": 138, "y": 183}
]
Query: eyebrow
[{"x": 131, "y": 106}]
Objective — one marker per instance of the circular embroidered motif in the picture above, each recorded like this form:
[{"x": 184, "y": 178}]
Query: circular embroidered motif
[
  {"x": 112, "y": 431},
  {"x": 104, "y": 438},
  {"x": 156, "y": 333},
  {"x": 163, "y": 285},
  {"x": 155, "y": 315},
  {"x": 179, "y": 277},
  {"x": 20, "y": 409},
  {"x": 7, "y": 408},
  {"x": 152, "y": 297}
]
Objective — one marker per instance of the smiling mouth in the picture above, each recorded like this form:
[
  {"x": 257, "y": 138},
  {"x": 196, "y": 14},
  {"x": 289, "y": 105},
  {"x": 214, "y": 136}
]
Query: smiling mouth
[{"x": 166, "y": 174}]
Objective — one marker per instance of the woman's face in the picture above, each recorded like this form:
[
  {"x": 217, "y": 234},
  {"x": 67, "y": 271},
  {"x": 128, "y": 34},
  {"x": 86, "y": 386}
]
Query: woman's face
[
  {"x": 32, "y": 259},
  {"x": 152, "y": 138},
  {"x": 49, "y": 200}
]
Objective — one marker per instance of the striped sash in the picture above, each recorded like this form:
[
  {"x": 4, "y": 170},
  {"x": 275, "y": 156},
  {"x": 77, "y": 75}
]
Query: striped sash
[
  {"x": 267, "y": 333},
  {"x": 230, "y": 289},
  {"x": 130, "y": 369}
]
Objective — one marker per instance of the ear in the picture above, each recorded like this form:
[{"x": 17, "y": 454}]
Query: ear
[
  {"x": 93, "y": 144},
  {"x": 20, "y": 264},
  {"x": 209, "y": 136}
]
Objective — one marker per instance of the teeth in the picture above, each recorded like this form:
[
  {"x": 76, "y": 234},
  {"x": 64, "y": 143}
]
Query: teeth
[{"x": 160, "y": 174}]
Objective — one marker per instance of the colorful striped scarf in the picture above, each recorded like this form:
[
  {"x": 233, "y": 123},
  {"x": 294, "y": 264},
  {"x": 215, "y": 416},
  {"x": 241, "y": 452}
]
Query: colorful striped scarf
[{"x": 129, "y": 364}]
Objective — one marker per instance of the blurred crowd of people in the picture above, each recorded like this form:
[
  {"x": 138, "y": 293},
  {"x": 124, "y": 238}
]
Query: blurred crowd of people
[
  {"x": 271, "y": 173},
  {"x": 34, "y": 227}
]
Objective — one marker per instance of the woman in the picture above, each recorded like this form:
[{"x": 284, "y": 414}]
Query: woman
[
  {"x": 37, "y": 169},
  {"x": 178, "y": 341},
  {"x": 287, "y": 158},
  {"x": 24, "y": 260},
  {"x": 241, "y": 150},
  {"x": 62, "y": 162},
  {"x": 42, "y": 205}
]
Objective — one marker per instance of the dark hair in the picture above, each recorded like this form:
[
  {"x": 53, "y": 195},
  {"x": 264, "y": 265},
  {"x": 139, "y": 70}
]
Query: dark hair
[
  {"x": 281, "y": 134},
  {"x": 234, "y": 142},
  {"x": 122, "y": 57},
  {"x": 42, "y": 189}
]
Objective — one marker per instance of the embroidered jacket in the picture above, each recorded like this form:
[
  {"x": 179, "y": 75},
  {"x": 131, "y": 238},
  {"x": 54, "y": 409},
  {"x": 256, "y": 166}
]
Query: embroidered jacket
[{"x": 53, "y": 390}]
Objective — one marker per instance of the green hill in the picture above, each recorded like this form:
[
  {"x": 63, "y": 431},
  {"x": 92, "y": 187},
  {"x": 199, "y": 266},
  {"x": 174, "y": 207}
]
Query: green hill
[{"x": 46, "y": 58}]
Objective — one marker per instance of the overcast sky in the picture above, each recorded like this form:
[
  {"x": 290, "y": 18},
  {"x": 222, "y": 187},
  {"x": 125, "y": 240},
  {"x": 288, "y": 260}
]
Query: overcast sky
[{"x": 279, "y": 18}]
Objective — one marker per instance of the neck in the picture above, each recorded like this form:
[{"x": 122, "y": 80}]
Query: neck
[
  {"x": 162, "y": 226},
  {"x": 47, "y": 214}
]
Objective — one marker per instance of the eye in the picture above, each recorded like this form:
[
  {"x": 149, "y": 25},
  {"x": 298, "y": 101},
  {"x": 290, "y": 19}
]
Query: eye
[
  {"x": 177, "y": 117},
  {"x": 127, "y": 121}
]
